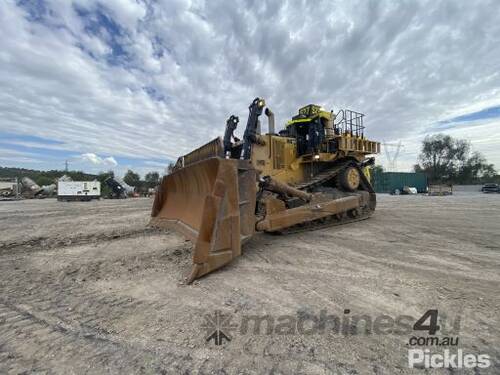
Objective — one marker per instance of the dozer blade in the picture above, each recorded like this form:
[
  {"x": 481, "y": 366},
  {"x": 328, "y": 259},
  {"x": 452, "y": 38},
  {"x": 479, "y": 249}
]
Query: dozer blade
[{"x": 212, "y": 203}]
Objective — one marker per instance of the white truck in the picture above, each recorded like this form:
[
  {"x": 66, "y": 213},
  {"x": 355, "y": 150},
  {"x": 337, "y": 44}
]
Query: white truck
[{"x": 78, "y": 190}]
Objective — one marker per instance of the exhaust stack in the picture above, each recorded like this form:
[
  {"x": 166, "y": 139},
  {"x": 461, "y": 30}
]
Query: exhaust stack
[{"x": 270, "y": 120}]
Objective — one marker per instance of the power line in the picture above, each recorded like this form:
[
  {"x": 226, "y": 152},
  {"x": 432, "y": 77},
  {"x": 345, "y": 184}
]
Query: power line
[{"x": 392, "y": 157}]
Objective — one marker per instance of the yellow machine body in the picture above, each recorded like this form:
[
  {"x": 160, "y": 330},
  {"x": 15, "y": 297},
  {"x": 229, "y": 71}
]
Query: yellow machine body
[
  {"x": 276, "y": 156},
  {"x": 220, "y": 194}
]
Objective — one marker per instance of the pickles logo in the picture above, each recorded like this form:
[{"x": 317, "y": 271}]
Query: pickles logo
[
  {"x": 218, "y": 327},
  {"x": 424, "y": 358}
]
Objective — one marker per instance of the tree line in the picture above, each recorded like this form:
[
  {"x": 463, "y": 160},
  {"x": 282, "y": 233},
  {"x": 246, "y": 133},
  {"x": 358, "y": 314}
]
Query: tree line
[
  {"x": 151, "y": 179},
  {"x": 445, "y": 159},
  {"x": 131, "y": 178},
  {"x": 44, "y": 177}
]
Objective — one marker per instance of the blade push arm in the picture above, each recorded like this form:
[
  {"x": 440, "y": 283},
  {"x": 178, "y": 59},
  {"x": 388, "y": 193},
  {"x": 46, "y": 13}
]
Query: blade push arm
[
  {"x": 231, "y": 124},
  {"x": 249, "y": 137}
]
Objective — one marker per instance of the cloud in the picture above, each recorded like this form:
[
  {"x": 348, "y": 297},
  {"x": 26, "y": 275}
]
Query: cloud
[
  {"x": 153, "y": 80},
  {"x": 9, "y": 156},
  {"x": 97, "y": 160}
]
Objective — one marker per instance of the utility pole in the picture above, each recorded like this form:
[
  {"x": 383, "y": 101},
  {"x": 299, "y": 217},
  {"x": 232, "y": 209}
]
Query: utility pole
[{"x": 66, "y": 165}]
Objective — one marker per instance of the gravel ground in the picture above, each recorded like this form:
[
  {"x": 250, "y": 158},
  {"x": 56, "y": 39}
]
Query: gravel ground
[{"x": 85, "y": 287}]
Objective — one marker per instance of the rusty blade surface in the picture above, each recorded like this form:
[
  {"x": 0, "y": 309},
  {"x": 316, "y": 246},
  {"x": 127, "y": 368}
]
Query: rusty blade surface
[{"x": 212, "y": 203}]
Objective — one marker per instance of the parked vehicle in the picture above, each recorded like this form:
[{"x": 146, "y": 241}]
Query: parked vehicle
[
  {"x": 490, "y": 188},
  {"x": 117, "y": 191}
]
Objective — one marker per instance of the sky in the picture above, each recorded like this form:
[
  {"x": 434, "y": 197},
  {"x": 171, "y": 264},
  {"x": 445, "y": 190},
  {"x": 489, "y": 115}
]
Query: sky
[{"x": 121, "y": 84}]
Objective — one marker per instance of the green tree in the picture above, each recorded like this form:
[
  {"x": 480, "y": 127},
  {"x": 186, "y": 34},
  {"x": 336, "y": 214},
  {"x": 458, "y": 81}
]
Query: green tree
[
  {"x": 152, "y": 179},
  {"x": 103, "y": 176},
  {"x": 131, "y": 178},
  {"x": 44, "y": 180},
  {"x": 475, "y": 169},
  {"x": 438, "y": 156},
  {"x": 445, "y": 159}
]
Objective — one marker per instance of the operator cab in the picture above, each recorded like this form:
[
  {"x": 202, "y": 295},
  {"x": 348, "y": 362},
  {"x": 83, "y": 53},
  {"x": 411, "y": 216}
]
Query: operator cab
[{"x": 316, "y": 130}]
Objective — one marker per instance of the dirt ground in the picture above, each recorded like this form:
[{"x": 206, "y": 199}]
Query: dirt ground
[{"x": 85, "y": 287}]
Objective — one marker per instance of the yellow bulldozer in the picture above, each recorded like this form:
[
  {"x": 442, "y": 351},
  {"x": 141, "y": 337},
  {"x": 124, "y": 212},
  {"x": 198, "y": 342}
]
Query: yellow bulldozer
[{"x": 314, "y": 173}]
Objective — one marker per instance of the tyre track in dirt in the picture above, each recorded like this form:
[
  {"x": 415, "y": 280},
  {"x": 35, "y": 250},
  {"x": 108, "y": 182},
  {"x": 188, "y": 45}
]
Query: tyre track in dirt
[
  {"x": 70, "y": 325},
  {"x": 43, "y": 243},
  {"x": 75, "y": 348},
  {"x": 75, "y": 339}
]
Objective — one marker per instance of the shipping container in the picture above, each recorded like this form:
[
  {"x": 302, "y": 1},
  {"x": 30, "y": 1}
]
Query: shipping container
[
  {"x": 78, "y": 190},
  {"x": 389, "y": 182}
]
